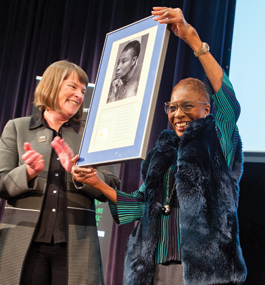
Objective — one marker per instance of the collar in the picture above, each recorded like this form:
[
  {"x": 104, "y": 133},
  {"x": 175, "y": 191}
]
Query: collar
[
  {"x": 37, "y": 120},
  {"x": 197, "y": 126}
]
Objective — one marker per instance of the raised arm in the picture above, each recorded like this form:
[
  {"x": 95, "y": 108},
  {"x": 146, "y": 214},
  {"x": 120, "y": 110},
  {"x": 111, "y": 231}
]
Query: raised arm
[{"x": 187, "y": 33}]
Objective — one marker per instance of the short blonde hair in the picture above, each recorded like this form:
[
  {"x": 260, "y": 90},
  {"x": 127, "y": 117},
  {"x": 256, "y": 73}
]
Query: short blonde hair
[{"x": 46, "y": 93}]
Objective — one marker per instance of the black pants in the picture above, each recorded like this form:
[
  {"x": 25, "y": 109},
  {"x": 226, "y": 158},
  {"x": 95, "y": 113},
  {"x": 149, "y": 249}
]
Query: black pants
[{"x": 46, "y": 264}]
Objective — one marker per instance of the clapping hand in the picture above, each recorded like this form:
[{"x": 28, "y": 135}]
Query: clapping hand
[
  {"x": 64, "y": 153},
  {"x": 34, "y": 161}
]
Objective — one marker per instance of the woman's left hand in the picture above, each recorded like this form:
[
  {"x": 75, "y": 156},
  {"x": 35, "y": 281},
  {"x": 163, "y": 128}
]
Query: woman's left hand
[
  {"x": 179, "y": 26},
  {"x": 64, "y": 153},
  {"x": 182, "y": 29}
]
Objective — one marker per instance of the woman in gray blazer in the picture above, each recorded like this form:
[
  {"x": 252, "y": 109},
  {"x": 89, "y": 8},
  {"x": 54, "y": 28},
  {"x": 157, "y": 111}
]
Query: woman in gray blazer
[{"x": 48, "y": 233}]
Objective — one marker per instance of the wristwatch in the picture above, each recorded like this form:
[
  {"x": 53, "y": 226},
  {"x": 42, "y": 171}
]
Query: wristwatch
[{"x": 205, "y": 48}]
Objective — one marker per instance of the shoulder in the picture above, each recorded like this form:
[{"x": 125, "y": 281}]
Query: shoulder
[
  {"x": 167, "y": 139},
  {"x": 163, "y": 154},
  {"x": 18, "y": 123},
  {"x": 21, "y": 120}
]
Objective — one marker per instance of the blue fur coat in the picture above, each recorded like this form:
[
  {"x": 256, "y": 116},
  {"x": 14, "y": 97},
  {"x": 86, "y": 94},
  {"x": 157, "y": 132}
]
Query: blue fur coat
[{"x": 208, "y": 193}]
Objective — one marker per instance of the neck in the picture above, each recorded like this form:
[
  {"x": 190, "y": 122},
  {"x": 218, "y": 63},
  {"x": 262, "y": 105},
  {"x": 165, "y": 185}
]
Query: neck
[{"x": 54, "y": 119}]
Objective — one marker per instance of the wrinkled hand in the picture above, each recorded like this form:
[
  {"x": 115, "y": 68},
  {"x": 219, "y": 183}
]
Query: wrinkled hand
[
  {"x": 64, "y": 153},
  {"x": 179, "y": 25},
  {"x": 34, "y": 161},
  {"x": 87, "y": 175}
]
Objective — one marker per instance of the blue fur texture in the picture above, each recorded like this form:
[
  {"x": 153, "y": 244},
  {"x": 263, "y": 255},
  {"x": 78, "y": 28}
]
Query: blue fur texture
[{"x": 208, "y": 194}]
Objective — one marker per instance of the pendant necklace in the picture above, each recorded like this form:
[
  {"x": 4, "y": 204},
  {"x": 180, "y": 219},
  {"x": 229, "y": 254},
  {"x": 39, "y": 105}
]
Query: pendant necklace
[{"x": 166, "y": 210}]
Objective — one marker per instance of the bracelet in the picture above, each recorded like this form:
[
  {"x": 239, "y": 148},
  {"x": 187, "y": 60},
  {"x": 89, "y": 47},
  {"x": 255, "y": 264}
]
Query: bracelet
[
  {"x": 76, "y": 186},
  {"x": 205, "y": 48}
]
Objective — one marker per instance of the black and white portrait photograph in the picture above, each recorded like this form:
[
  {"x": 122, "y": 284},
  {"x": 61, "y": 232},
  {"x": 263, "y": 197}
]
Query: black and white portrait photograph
[{"x": 128, "y": 68}]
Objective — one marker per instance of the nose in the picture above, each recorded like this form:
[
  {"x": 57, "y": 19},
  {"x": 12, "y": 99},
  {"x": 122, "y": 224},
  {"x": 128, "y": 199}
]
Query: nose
[
  {"x": 179, "y": 113},
  {"x": 79, "y": 94},
  {"x": 118, "y": 66}
]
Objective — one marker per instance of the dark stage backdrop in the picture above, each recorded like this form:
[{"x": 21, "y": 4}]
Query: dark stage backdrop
[{"x": 33, "y": 34}]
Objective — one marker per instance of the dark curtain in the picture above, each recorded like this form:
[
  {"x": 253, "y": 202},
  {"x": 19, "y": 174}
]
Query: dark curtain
[{"x": 33, "y": 34}]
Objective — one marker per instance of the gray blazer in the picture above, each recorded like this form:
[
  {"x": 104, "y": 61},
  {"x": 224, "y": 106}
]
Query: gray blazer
[{"x": 24, "y": 202}]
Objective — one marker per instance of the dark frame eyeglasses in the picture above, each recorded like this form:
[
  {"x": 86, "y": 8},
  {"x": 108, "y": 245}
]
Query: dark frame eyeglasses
[{"x": 186, "y": 106}]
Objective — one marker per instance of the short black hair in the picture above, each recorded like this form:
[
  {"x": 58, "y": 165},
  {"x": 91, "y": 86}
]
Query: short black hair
[{"x": 135, "y": 46}]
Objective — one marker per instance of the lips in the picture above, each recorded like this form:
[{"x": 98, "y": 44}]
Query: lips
[{"x": 74, "y": 103}]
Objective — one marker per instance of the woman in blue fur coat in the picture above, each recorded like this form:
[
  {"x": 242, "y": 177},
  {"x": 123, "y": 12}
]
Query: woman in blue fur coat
[{"x": 187, "y": 206}]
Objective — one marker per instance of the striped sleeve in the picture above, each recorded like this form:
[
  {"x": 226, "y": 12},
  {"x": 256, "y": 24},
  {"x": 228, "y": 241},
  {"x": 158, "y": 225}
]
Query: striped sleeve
[
  {"x": 130, "y": 206},
  {"x": 226, "y": 111}
]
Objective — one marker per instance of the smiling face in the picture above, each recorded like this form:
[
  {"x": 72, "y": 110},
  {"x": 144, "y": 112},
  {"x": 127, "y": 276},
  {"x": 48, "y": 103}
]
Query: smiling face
[
  {"x": 180, "y": 120},
  {"x": 71, "y": 96}
]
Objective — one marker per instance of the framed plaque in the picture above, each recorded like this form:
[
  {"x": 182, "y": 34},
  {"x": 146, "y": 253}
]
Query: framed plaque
[{"x": 122, "y": 108}]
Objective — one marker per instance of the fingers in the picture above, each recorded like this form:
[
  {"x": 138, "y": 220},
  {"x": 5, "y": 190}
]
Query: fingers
[
  {"x": 74, "y": 160},
  {"x": 158, "y": 11},
  {"x": 27, "y": 146},
  {"x": 37, "y": 166},
  {"x": 34, "y": 161},
  {"x": 62, "y": 148},
  {"x": 58, "y": 144},
  {"x": 31, "y": 157},
  {"x": 117, "y": 82},
  {"x": 80, "y": 173},
  {"x": 165, "y": 15},
  {"x": 175, "y": 18}
]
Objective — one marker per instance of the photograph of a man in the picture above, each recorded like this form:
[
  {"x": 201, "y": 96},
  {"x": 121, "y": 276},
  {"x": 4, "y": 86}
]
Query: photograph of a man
[{"x": 128, "y": 70}]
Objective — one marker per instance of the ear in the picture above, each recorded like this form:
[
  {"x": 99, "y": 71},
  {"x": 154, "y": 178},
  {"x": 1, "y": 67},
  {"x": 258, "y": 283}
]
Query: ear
[
  {"x": 207, "y": 109},
  {"x": 134, "y": 60}
]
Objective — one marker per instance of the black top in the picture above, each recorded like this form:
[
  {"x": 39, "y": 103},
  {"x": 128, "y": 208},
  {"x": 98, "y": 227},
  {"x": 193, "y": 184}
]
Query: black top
[{"x": 52, "y": 226}]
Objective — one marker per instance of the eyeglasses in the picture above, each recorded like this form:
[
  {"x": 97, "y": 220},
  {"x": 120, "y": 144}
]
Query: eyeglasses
[{"x": 186, "y": 106}]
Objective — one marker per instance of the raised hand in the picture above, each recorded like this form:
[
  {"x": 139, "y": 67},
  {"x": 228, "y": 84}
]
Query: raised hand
[
  {"x": 187, "y": 33},
  {"x": 34, "y": 161},
  {"x": 115, "y": 85},
  {"x": 179, "y": 25},
  {"x": 64, "y": 153}
]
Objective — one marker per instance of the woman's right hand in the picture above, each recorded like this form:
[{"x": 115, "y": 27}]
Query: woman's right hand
[
  {"x": 86, "y": 175},
  {"x": 34, "y": 161}
]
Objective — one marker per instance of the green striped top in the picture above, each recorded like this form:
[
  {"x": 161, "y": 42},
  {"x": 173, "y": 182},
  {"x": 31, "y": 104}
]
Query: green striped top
[{"x": 130, "y": 206}]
